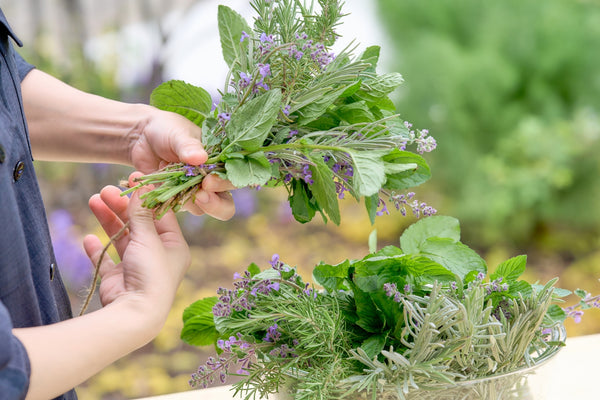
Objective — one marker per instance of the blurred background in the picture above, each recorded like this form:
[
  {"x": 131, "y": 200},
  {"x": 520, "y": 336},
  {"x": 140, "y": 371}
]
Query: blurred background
[{"x": 510, "y": 90}]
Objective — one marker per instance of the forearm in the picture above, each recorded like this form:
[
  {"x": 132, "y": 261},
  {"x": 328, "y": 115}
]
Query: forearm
[
  {"x": 65, "y": 354},
  {"x": 66, "y": 124}
]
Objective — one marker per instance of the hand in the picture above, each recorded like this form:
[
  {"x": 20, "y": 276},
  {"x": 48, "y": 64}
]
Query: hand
[
  {"x": 154, "y": 255},
  {"x": 167, "y": 137}
]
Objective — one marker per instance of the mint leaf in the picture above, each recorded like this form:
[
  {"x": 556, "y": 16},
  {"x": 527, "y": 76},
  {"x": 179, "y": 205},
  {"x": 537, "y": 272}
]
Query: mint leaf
[
  {"x": 323, "y": 189},
  {"x": 185, "y": 99},
  {"x": 555, "y": 313},
  {"x": 437, "y": 226},
  {"x": 231, "y": 25},
  {"x": 405, "y": 170},
  {"x": 373, "y": 345},
  {"x": 332, "y": 277},
  {"x": 253, "y": 169},
  {"x": 511, "y": 269},
  {"x": 369, "y": 174},
  {"x": 455, "y": 256},
  {"x": 252, "y": 122},
  {"x": 198, "y": 323}
]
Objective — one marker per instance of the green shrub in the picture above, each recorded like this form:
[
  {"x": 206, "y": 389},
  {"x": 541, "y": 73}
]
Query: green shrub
[{"x": 511, "y": 91}]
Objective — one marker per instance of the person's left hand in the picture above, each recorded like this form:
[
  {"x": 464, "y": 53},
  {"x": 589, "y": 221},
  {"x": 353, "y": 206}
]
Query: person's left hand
[{"x": 165, "y": 137}]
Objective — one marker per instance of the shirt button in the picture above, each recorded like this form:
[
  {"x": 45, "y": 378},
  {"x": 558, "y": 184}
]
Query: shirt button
[
  {"x": 18, "y": 171},
  {"x": 52, "y": 269},
  {"x": 2, "y": 154}
]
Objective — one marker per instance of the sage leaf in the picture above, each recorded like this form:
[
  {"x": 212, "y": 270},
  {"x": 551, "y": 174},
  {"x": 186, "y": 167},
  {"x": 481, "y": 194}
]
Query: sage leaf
[
  {"x": 378, "y": 88},
  {"x": 369, "y": 174},
  {"x": 373, "y": 345},
  {"x": 252, "y": 122},
  {"x": 405, "y": 170},
  {"x": 185, "y": 99},
  {"x": 323, "y": 189},
  {"x": 231, "y": 25},
  {"x": 316, "y": 108},
  {"x": 437, "y": 226},
  {"x": 254, "y": 169},
  {"x": 303, "y": 208}
]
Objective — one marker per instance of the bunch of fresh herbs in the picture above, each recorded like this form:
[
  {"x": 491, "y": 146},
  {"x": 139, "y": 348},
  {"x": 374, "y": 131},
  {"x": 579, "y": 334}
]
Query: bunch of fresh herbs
[
  {"x": 403, "y": 318},
  {"x": 294, "y": 114}
]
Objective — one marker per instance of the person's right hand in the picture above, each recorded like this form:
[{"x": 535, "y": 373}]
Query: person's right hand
[{"x": 154, "y": 255}]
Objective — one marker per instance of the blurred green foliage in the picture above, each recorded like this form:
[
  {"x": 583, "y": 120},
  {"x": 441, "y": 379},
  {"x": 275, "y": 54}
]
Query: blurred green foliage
[{"x": 511, "y": 91}]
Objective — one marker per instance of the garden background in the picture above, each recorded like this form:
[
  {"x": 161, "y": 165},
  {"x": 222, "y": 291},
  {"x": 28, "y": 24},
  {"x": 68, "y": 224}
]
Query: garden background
[{"x": 510, "y": 90}]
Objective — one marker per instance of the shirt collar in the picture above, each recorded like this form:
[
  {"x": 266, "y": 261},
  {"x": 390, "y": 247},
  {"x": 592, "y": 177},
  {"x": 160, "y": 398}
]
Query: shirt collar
[{"x": 9, "y": 30}]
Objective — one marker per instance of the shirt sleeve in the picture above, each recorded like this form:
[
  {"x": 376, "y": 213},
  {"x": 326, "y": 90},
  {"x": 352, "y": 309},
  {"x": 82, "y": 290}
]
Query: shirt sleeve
[
  {"x": 15, "y": 369},
  {"x": 23, "y": 67}
]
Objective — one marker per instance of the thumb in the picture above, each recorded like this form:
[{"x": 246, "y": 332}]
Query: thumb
[
  {"x": 141, "y": 219},
  {"x": 190, "y": 150}
]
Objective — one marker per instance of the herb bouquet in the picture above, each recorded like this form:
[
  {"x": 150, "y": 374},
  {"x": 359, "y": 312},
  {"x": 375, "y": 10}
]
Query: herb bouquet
[
  {"x": 294, "y": 114},
  {"x": 425, "y": 320}
]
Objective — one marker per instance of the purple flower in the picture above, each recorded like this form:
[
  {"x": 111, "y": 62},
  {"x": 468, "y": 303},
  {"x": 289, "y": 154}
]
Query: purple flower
[
  {"x": 264, "y": 70},
  {"x": 286, "y": 109},
  {"x": 245, "y": 80},
  {"x": 273, "y": 334},
  {"x": 224, "y": 117},
  {"x": 244, "y": 36}
]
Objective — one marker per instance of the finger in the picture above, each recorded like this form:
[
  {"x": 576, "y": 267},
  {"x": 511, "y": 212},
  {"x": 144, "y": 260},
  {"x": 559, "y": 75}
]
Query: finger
[
  {"x": 218, "y": 205},
  {"x": 111, "y": 195},
  {"x": 94, "y": 248},
  {"x": 213, "y": 183},
  {"x": 110, "y": 222}
]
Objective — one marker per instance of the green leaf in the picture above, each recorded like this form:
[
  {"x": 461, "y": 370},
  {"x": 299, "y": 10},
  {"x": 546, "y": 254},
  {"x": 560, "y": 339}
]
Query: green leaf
[
  {"x": 369, "y": 175},
  {"x": 520, "y": 288},
  {"x": 254, "y": 169},
  {"x": 253, "y": 269},
  {"x": 511, "y": 269},
  {"x": 371, "y": 56},
  {"x": 252, "y": 122},
  {"x": 316, "y": 108},
  {"x": 185, "y": 99},
  {"x": 437, "y": 226},
  {"x": 354, "y": 113},
  {"x": 414, "y": 170},
  {"x": 375, "y": 89},
  {"x": 332, "y": 277},
  {"x": 371, "y": 204},
  {"x": 373, "y": 241},
  {"x": 369, "y": 316},
  {"x": 198, "y": 323},
  {"x": 373, "y": 345},
  {"x": 231, "y": 25},
  {"x": 556, "y": 314},
  {"x": 455, "y": 256},
  {"x": 323, "y": 189},
  {"x": 580, "y": 293},
  {"x": 303, "y": 208}
]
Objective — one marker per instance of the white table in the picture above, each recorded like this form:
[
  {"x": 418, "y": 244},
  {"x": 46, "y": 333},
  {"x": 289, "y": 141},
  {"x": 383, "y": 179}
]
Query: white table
[{"x": 570, "y": 375}]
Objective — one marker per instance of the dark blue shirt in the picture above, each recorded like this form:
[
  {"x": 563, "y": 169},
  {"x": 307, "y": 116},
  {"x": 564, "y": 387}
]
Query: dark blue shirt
[{"x": 31, "y": 291}]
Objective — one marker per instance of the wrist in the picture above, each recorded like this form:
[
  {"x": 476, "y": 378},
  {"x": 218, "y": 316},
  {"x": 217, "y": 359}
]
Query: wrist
[{"x": 144, "y": 320}]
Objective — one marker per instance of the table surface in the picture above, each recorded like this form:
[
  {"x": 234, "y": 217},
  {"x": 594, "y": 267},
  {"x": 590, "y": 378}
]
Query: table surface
[{"x": 571, "y": 374}]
